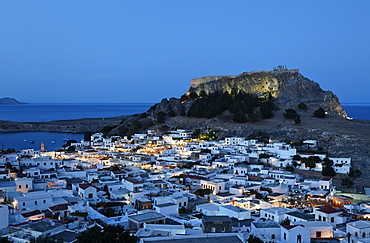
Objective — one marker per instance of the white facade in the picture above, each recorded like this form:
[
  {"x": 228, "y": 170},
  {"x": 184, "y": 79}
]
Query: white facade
[
  {"x": 216, "y": 186},
  {"x": 234, "y": 140},
  {"x": 319, "y": 229},
  {"x": 31, "y": 200},
  {"x": 234, "y": 212},
  {"x": 359, "y": 229},
  {"x": 4, "y": 219},
  {"x": 292, "y": 233},
  {"x": 167, "y": 209},
  {"x": 24, "y": 184},
  {"x": 208, "y": 209},
  {"x": 329, "y": 215},
  {"x": 274, "y": 214}
]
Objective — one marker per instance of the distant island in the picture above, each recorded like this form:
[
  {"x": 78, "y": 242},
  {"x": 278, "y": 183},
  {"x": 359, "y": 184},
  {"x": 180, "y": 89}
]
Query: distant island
[{"x": 10, "y": 101}]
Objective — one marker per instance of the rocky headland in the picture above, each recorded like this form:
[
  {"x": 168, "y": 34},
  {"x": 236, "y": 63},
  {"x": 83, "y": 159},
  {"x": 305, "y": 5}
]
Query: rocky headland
[
  {"x": 286, "y": 88},
  {"x": 10, "y": 101}
]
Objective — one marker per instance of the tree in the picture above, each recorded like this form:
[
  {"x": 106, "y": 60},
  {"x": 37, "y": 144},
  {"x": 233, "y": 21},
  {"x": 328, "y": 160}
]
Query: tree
[
  {"x": 87, "y": 136},
  {"x": 239, "y": 117},
  {"x": 309, "y": 163},
  {"x": 45, "y": 239},
  {"x": 183, "y": 98},
  {"x": 289, "y": 168},
  {"x": 182, "y": 210},
  {"x": 193, "y": 95},
  {"x": 297, "y": 119},
  {"x": 320, "y": 113},
  {"x": 302, "y": 106},
  {"x": 286, "y": 221},
  {"x": 328, "y": 170},
  {"x": 107, "y": 234},
  {"x": 71, "y": 149},
  {"x": 354, "y": 173},
  {"x": 290, "y": 113},
  {"x": 254, "y": 239},
  {"x": 202, "y": 192},
  {"x": 161, "y": 116},
  {"x": 347, "y": 182},
  {"x": 5, "y": 240}
]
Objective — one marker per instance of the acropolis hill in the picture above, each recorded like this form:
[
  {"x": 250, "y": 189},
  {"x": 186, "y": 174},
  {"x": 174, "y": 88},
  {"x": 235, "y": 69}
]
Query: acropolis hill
[
  {"x": 288, "y": 86},
  {"x": 339, "y": 135}
]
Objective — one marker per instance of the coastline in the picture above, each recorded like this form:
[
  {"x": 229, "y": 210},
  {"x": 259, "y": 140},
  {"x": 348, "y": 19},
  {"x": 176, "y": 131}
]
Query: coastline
[{"x": 63, "y": 126}]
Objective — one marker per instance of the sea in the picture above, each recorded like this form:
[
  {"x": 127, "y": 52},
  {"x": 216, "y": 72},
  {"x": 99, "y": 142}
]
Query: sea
[
  {"x": 37, "y": 112},
  {"x": 49, "y": 112}
]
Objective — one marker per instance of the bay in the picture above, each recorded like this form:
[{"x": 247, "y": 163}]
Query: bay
[
  {"x": 32, "y": 140},
  {"x": 37, "y": 112}
]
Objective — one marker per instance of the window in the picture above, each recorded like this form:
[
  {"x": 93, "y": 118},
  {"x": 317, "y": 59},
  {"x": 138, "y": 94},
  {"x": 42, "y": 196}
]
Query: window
[
  {"x": 284, "y": 236},
  {"x": 19, "y": 186},
  {"x": 363, "y": 235},
  {"x": 23, "y": 204},
  {"x": 44, "y": 201},
  {"x": 213, "y": 229},
  {"x": 332, "y": 220},
  {"x": 184, "y": 204},
  {"x": 35, "y": 202},
  {"x": 273, "y": 236},
  {"x": 26, "y": 185},
  {"x": 318, "y": 234}
]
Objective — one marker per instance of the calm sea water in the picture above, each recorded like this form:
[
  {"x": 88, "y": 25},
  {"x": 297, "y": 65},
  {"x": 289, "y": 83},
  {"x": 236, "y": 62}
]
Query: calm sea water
[
  {"x": 357, "y": 111},
  {"x": 49, "y": 112}
]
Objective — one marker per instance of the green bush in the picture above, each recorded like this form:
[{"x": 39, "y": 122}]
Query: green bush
[
  {"x": 290, "y": 113},
  {"x": 302, "y": 106},
  {"x": 320, "y": 113}
]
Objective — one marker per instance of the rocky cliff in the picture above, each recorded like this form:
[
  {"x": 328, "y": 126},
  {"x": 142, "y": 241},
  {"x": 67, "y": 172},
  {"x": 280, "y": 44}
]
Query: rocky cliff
[{"x": 288, "y": 87}]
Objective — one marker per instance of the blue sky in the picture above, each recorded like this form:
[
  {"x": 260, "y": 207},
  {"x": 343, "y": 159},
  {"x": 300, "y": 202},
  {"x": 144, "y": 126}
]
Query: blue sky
[{"x": 143, "y": 51}]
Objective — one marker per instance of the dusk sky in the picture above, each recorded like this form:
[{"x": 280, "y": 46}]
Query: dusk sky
[{"x": 143, "y": 51}]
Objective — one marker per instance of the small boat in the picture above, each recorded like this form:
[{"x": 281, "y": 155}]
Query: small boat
[
  {"x": 25, "y": 140},
  {"x": 53, "y": 141},
  {"x": 32, "y": 141}
]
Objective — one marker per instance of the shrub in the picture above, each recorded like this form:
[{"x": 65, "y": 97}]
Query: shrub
[
  {"x": 320, "y": 113},
  {"x": 302, "y": 106},
  {"x": 290, "y": 113}
]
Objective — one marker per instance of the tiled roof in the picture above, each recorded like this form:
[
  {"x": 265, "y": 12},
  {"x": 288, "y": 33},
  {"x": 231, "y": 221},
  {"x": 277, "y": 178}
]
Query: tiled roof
[
  {"x": 59, "y": 207},
  {"x": 132, "y": 180},
  {"x": 84, "y": 186},
  {"x": 32, "y": 213},
  {"x": 329, "y": 210}
]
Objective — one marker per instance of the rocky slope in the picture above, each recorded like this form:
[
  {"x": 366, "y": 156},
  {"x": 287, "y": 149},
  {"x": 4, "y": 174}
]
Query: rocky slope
[{"x": 288, "y": 87}]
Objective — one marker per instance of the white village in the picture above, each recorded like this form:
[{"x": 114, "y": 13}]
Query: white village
[{"x": 165, "y": 187}]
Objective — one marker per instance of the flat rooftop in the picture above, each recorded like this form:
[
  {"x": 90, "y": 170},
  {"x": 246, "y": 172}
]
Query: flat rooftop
[{"x": 206, "y": 238}]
